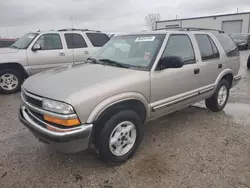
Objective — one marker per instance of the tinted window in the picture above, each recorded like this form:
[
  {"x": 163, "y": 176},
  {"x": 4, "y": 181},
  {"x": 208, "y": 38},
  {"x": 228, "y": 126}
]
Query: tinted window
[
  {"x": 98, "y": 39},
  {"x": 50, "y": 42},
  {"x": 4, "y": 44},
  {"x": 181, "y": 46},
  {"x": 75, "y": 40},
  {"x": 207, "y": 47},
  {"x": 228, "y": 44}
]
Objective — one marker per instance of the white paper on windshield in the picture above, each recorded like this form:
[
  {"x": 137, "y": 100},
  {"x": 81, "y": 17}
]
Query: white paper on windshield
[{"x": 144, "y": 39}]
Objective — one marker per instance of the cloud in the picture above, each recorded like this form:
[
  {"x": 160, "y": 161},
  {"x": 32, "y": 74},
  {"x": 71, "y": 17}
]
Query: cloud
[{"x": 20, "y": 16}]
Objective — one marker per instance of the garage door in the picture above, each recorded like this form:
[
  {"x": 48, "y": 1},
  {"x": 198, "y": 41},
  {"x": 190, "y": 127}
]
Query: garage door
[{"x": 233, "y": 26}]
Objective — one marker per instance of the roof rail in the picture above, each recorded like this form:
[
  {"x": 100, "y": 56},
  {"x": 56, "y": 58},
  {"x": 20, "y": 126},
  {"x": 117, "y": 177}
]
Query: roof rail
[
  {"x": 73, "y": 29},
  {"x": 190, "y": 29},
  {"x": 197, "y": 29},
  {"x": 166, "y": 28}
]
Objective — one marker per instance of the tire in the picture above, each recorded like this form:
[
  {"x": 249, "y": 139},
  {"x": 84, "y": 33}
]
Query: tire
[
  {"x": 108, "y": 152},
  {"x": 10, "y": 81},
  {"x": 212, "y": 103},
  {"x": 246, "y": 47},
  {"x": 248, "y": 62}
]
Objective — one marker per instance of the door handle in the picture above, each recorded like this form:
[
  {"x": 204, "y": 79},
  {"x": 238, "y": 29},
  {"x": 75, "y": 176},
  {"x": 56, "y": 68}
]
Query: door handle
[
  {"x": 219, "y": 66},
  {"x": 61, "y": 54},
  {"x": 86, "y": 52},
  {"x": 196, "y": 71}
]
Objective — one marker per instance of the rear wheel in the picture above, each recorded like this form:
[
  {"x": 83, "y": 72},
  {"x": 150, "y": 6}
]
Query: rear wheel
[
  {"x": 10, "y": 81},
  {"x": 120, "y": 137},
  {"x": 219, "y": 99}
]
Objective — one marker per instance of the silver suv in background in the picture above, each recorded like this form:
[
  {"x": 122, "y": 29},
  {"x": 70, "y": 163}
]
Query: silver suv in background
[
  {"x": 40, "y": 51},
  {"x": 133, "y": 79}
]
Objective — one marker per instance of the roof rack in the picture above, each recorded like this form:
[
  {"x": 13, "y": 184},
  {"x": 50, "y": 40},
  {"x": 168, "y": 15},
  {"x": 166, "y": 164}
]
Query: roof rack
[
  {"x": 166, "y": 28},
  {"x": 197, "y": 29},
  {"x": 73, "y": 29},
  {"x": 190, "y": 29}
]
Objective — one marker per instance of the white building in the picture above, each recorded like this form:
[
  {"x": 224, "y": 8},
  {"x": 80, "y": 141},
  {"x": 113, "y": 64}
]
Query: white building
[{"x": 231, "y": 23}]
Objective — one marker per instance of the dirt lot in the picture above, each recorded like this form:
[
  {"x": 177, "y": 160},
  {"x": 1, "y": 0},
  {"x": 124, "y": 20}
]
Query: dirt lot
[{"x": 190, "y": 148}]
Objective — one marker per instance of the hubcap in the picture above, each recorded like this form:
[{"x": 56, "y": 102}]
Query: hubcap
[
  {"x": 8, "y": 81},
  {"x": 222, "y": 95},
  {"x": 123, "y": 138}
]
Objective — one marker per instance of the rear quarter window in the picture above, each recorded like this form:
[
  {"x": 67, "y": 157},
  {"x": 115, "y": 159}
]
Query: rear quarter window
[
  {"x": 98, "y": 39},
  {"x": 228, "y": 44}
]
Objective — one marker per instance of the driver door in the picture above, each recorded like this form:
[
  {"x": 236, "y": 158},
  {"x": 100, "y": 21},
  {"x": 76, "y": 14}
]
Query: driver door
[
  {"x": 51, "y": 55},
  {"x": 174, "y": 88}
]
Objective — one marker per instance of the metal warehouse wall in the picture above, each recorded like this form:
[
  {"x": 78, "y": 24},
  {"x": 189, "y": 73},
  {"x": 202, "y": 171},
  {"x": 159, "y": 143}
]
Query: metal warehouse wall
[{"x": 210, "y": 22}]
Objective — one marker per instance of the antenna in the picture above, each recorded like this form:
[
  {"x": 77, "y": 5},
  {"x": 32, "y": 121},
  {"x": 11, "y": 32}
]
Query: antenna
[
  {"x": 237, "y": 11},
  {"x": 73, "y": 51}
]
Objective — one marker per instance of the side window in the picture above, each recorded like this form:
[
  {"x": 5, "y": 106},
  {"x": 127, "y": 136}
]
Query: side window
[
  {"x": 98, "y": 39},
  {"x": 75, "y": 40},
  {"x": 228, "y": 44},
  {"x": 50, "y": 42},
  {"x": 215, "y": 49},
  {"x": 181, "y": 46},
  {"x": 207, "y": 47}
]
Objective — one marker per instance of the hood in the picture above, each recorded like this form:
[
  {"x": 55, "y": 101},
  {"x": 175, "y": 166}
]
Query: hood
[
  {"x": 8, "y": 50},
  {"x": 62, "y": 82}
]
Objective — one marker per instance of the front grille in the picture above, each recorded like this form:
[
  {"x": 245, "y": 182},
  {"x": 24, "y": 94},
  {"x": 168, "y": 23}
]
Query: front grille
[
  {"x": 32, "y": 114},
  {"x": 33, "y": 101}
]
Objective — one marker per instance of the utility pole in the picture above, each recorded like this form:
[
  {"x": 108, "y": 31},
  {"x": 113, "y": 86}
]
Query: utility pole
[{"x": 7, "y": 31}]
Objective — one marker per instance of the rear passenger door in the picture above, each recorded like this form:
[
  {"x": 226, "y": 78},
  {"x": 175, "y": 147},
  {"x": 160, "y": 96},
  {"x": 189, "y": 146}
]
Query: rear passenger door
[
  {"x": 209, "y": 61},
  {"x": 77, "y": 47}
]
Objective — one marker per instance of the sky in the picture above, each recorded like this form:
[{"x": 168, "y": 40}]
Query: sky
[{"x": 18, "y": 17}]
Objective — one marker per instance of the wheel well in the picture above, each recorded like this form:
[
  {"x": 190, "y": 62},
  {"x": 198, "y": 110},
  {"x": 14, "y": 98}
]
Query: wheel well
[
  {"x": 229, "y": 78},
  {"x": 134, "y": 105},
  {"x": 14, "y": 66}
]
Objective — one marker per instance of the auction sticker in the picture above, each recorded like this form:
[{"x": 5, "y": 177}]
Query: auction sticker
[{"x": 144, "y": 39}]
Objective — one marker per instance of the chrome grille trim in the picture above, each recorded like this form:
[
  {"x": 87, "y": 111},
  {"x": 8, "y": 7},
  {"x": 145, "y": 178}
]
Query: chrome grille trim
[{"x": 43, "y": 112}]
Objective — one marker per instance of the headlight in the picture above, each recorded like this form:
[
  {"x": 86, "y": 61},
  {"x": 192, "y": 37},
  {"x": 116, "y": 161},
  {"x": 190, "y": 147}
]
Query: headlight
[
  {"x": 57, "y": 107},
  {"x": 241, "y": 44}
]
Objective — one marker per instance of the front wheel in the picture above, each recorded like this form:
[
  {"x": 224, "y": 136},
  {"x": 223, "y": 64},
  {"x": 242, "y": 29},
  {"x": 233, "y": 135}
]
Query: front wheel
[
  {"x": 219, "y": 99},
  {"x": 120, "y": 137},
  {"x": 10, "y": 81}
]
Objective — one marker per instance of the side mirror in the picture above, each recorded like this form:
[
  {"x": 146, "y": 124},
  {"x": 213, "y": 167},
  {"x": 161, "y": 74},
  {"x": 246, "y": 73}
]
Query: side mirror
[
  {"x": 36, "y": 47},
  {"x": 170, "y": 62}
]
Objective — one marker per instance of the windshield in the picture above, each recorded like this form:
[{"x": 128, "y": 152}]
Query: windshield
[
  {"x": 132, "y": 51},
  {"x": 24, "y": 41},
  {"x": 239, "y": 36}
]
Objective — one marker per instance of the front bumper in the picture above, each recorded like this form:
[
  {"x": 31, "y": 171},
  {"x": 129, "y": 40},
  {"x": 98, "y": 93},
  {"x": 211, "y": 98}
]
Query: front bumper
[{"x": 41, "y": 131}]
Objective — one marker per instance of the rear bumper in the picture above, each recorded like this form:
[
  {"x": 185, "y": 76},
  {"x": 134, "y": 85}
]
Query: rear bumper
[
  {"x": 81, "y": 133},
  {"x": 236, "y": 80}
]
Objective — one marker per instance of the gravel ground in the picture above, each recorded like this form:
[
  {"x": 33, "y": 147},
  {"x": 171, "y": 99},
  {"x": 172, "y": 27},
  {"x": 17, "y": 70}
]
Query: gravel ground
[{"x": 189, "y": 148}]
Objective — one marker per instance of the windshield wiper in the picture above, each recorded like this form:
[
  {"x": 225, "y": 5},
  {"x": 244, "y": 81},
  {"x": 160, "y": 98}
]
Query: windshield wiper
[
  {"x": 13, "y": 46},
  {"x": 93, "y": 60},
  {"x": 114, "y": 63}
]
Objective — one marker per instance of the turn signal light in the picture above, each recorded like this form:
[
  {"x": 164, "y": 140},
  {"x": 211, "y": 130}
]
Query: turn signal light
[{"x": 64, "y": 122}]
